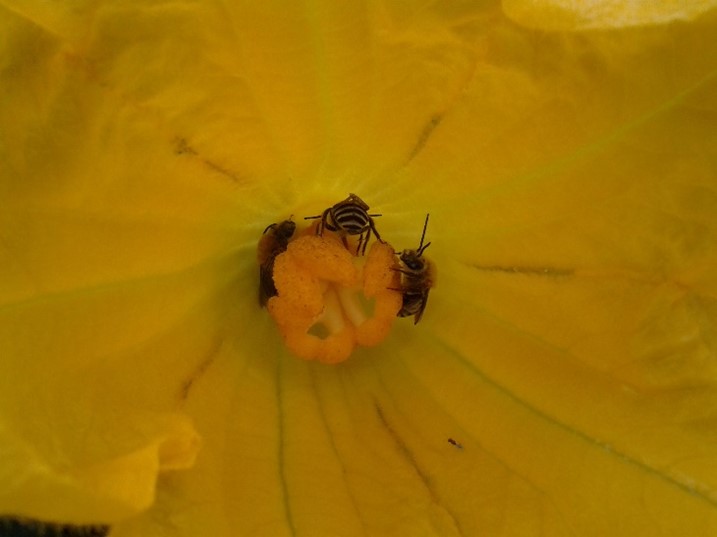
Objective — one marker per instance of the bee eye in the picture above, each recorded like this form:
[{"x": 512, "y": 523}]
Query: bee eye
[{"x": 411, "y": 260}]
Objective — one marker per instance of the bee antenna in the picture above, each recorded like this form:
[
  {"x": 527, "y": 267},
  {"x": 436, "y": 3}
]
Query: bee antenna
[{"x": 423, "y": 236}]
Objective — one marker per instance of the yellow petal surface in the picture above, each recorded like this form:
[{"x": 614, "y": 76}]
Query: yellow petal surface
[
  {"x": 602, "y": 14},
  {"x": 562, "y": 379}
]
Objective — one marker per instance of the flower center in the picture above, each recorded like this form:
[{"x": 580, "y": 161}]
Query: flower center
[{"x": 329, "y": 300}]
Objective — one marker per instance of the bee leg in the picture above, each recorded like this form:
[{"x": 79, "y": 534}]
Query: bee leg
[
  {"x": 324, "y": 223},
  {"x": 375, "y": 231},
  {"x": 360, "y": 243}
]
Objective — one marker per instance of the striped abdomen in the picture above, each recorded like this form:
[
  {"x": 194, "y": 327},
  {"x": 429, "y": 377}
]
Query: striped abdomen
[{"x": 351, "y": 219}]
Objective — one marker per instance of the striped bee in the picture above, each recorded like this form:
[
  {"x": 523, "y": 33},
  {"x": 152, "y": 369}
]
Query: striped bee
[
  {"x": 272, "y": 244},
  {"x": 418, "y": 276},
  {"x": 349, "y": 217}
]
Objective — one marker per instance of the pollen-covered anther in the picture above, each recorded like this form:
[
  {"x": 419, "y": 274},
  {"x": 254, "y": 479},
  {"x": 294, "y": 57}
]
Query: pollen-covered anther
[{"x": 329, "y": 300}]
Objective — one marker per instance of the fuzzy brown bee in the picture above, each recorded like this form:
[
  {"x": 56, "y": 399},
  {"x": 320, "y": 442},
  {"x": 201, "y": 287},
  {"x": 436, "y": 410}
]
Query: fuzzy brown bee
[
  {"x": 273, "y": 242},
  {"x": 418, "y": 276},
  {"x": 349, "y": 217}
]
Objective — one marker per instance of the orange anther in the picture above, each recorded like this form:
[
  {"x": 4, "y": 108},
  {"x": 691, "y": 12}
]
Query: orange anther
[{"x": 324, "y": 291}]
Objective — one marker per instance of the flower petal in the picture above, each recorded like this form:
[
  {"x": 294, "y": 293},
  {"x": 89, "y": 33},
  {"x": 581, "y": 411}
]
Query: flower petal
[
  {"x": 109, "y": 486},
  {"x": 82, "y": 377},
  {"x": 567, "y": 351},
  {"x": 293, "y": 447},
  {"x": 599, "y": 14},
  {"x": 529, "y": 453},
  {"x": 111, "y": 282}
]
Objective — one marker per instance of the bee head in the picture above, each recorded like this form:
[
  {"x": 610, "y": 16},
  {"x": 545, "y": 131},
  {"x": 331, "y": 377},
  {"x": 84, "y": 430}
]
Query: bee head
[
  {"x": 412, "y": 259},
  {"x": 353, "y": 199},
  {"x": 285, "y": 230}
]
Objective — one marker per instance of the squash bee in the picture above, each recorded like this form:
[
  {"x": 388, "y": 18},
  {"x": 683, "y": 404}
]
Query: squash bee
[
  {"x": 349, "y": 217},
  {"x": 418, "y": 277},
  {"x": 271, "y": 245}
]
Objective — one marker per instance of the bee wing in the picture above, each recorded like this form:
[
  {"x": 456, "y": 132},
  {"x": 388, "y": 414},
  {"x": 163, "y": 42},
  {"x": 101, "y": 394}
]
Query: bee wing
[
  {"x": 263, "y": 298},
  {"x": 266, "y": 283},
  {"x": 422, "y": 307}
]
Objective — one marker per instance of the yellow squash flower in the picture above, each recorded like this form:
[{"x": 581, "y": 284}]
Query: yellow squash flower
[{"x": 562, "y": 379}]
